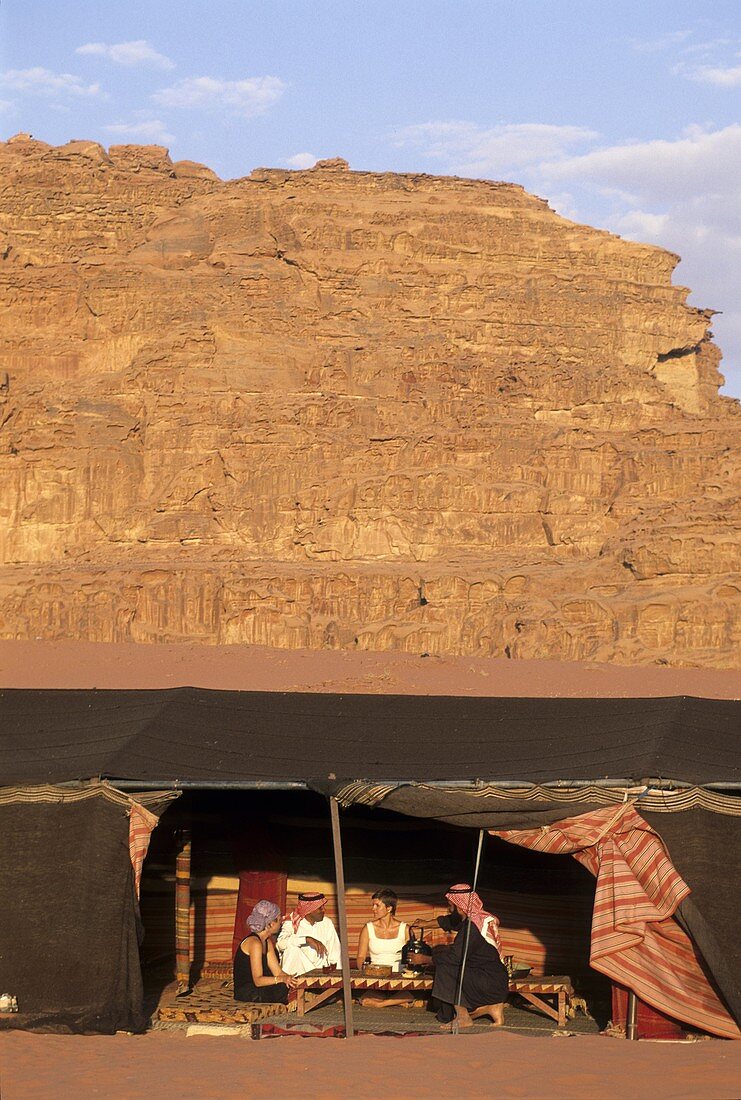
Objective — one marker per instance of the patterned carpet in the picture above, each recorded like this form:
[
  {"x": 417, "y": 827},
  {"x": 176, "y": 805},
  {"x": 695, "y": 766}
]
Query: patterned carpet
[{"x": 212, "y": 1002}]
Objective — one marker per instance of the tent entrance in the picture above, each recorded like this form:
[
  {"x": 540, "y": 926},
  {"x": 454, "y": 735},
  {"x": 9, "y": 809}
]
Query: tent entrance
[{"x": 544, "y": 902}]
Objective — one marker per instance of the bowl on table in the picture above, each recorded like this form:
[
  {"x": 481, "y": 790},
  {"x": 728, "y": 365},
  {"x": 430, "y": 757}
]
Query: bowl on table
[{"x": 377, "y": 971}]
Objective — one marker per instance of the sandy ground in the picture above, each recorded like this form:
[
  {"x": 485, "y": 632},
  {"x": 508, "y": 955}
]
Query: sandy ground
[
  {"x": 175, "y": 1067},
  {"x": 69, "y": 664}
]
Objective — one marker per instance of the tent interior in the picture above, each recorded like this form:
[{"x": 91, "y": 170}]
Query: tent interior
[{"x": 543, "y": 901}]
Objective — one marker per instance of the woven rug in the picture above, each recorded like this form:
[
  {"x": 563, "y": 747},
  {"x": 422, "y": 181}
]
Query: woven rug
[{"x": 212, "y": 1002}]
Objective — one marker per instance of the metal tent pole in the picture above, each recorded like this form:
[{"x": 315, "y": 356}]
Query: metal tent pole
[
  {"x": 339, "y": 873},
  {"x": 631, "y": 1016},
  {"x": 454, "y": 1028}
]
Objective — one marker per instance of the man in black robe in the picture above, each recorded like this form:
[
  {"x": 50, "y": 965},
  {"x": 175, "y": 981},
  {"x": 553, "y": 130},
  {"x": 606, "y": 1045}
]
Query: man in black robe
[{"x": 485, "y": 982}]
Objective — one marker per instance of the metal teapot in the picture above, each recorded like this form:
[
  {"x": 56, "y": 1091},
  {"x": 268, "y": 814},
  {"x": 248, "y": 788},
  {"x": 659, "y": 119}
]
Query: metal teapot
[{"x": 416, "y": 955}]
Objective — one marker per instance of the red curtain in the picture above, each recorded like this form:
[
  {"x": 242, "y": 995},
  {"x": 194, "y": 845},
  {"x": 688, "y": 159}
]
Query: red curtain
[
  {"x": 650, "y": 1023},
  {"x": 256, "y": 886},
  {"x": 263, "y": 875}
]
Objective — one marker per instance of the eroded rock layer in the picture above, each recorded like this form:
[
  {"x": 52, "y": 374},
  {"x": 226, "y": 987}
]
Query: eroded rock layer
[{"x": 338, "y": 409}]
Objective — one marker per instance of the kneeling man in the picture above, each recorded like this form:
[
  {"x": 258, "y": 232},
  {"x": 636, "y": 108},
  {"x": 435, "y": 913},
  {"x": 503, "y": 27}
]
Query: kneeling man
[{"x": 308, "y": 940}]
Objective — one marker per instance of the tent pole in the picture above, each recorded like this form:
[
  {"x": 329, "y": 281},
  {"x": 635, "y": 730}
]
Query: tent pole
[
  {"x": 631, "y": 1016},
  {"x": 182, "y": 913},
  {"x": 454, "y": 1028},
  {"x": 339, "y": 873}
]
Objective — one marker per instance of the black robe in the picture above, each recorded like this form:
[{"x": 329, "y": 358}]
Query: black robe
[{"x": 485, "y": 980}]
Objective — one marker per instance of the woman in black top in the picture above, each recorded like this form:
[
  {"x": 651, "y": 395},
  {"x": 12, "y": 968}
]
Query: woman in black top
[{"x": 257, "y": 972}]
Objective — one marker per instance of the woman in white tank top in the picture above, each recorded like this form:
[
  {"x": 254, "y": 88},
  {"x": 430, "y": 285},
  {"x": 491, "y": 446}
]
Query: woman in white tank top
[{"x": 383, "y": 938}]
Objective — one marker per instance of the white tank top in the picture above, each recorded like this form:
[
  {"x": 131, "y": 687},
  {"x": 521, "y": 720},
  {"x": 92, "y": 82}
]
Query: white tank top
[{"x": 386, "y": 952}]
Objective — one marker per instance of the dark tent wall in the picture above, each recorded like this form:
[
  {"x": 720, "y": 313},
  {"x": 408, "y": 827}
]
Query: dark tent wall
[
  {"x": 706, "y": 850},
  {"x": 68, "y": 934}
]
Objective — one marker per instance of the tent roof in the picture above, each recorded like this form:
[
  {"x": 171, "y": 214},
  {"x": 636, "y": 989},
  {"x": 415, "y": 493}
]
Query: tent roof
[{"x": 195, "y": 735}]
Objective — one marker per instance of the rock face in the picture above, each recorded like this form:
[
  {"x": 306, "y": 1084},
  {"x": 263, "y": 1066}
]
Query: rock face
[{"x": 342, "y": 409}]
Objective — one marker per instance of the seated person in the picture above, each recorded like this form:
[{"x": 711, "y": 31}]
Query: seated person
[
  {"x": 485, "y": 982},
  {"x": 308, "y": 940},
  {"x": 383, "y": 938},
  {"x": 257, "y": 973}
]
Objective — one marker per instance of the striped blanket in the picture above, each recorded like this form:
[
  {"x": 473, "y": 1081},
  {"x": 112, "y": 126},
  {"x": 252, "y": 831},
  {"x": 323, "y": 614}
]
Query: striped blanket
[{"x": 635, "y": 940}]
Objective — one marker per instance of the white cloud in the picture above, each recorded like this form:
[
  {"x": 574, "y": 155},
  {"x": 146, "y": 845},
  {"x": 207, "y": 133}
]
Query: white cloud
[
  {"x": 302, "y": 160},
  {"x": 40, "y": 81},
  {"x": 720, "y": 76},
  {"x": 700, "y": 162},
  {"x": 249, "y": 97},
  {"x": 139, "y": 52},
  {"x": 149, "y": 130},
  {"x": 469, "y": 149},
  {"x": 712, "y": 61}
]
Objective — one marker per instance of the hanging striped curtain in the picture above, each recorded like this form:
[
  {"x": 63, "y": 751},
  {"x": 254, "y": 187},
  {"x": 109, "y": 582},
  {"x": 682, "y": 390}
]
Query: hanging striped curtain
[
  {"x": 141, "y": 824},
  {"x": 635, "y": 940}
]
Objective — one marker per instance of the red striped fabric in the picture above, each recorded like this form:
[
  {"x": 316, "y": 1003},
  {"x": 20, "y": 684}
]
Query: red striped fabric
[
  {"x": 635, "y": 940},
  {"x": 141, "y": 823}
]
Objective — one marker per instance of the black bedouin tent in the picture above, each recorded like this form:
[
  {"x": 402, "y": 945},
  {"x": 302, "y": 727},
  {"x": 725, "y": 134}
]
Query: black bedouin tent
[
  {"x": 483, "y": 762},
  {"x": 195, "y": 734}
]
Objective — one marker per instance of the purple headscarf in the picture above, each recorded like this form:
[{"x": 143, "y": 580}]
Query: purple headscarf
[{"x": 261, "y": 916}]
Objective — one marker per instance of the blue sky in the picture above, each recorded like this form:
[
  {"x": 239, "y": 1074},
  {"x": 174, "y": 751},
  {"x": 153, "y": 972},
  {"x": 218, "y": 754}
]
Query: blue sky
[{"x": 624, "y": 114}]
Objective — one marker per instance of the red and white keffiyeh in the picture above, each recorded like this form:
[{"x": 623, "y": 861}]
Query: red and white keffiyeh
[
  {"x": 307, "y": 903},
  {"x": 470, "y": 905}
]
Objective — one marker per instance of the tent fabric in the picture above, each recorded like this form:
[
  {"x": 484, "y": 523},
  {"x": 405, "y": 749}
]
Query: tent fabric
[
  {"x": 71, "y": 860},
  {"x": 141, "y": 819},
  {"x": 156, "y": 801},
  {"x": 68, "y": 942},
  {"x": 141, "y": 824},
  {"x": 635, "y": 941},
  {"x": 196, "y": 734},
  {"x": 263, "y": 873},
  {"x": 706, "y": 850},
  {"x": 488, "y": 806}
]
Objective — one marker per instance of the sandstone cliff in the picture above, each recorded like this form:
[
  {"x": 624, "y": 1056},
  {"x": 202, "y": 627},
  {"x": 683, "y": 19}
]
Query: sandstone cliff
[{"x": 352, "y": 410}]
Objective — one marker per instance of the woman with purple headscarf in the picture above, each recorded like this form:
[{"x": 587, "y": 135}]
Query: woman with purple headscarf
[{"x": 257, "y": 972}]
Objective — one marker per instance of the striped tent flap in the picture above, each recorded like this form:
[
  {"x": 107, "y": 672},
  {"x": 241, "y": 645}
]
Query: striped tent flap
[{"x": 635, "y": 940}]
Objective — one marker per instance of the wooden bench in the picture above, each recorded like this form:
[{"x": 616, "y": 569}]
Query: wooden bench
[
  {"x": 534, "y": 989},
  {"x": 323, "y": 986}
]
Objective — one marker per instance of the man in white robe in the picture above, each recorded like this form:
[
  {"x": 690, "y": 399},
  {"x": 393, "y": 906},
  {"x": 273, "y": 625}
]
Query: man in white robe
[{"x": 308, "y": 940}]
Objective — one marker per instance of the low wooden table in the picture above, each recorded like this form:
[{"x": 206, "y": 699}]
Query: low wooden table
[
  {"x": 324, "y": 986},
  {"x": 534, "y": 989}
]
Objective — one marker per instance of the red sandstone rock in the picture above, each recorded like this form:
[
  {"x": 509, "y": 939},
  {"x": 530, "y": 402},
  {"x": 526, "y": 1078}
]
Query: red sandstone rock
[{"x": 334, "y": 409}]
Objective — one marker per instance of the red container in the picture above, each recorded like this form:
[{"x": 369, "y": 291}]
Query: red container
[{"x": 650, "y": 1023}]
